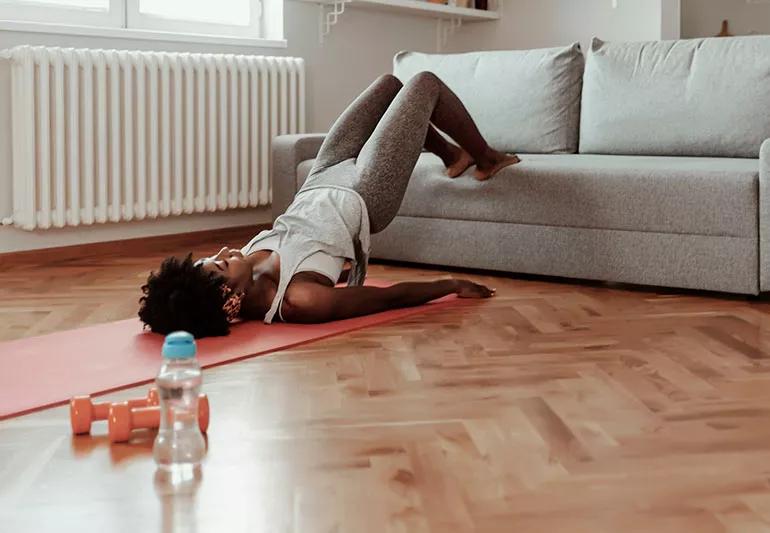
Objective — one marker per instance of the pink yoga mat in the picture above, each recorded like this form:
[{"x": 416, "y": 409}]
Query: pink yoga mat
[{"x": 44, "y": 371}]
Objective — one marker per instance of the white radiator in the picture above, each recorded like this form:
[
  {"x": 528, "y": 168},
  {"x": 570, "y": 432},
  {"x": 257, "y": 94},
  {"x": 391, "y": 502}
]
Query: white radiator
[{"x": 108, "y": 136}]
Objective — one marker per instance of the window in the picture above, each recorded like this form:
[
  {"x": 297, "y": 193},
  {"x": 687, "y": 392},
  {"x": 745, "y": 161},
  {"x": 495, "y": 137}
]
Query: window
[
  {"x": 237, "y": 18},
  {"x": 219, "y": 17},
  {"x": 107, "y": 13}
]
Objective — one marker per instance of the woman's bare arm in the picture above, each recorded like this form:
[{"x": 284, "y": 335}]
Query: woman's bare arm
[{"x": 313, "y": 303}]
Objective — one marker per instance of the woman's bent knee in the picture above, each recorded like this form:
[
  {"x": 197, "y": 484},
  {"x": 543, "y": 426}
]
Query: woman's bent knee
[
  {"x": 425, "y": 79},
  {"x": 389, "y": 80}
]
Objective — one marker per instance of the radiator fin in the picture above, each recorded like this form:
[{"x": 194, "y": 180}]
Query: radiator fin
[{"x": 109, "y": 136}]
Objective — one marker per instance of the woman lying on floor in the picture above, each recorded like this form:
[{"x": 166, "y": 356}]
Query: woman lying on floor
[{"x": 355, "y": 188}]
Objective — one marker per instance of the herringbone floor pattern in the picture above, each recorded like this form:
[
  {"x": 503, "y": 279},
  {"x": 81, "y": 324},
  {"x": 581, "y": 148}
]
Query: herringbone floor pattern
[{"x": 552, "y": 407}]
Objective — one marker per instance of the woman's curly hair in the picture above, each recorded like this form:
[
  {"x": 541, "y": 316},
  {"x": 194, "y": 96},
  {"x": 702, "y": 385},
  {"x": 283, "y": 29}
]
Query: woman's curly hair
[{"x": 184, "y": 297}]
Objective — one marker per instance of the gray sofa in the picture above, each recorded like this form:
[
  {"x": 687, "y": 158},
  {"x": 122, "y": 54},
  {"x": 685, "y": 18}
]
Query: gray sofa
[{"x": 643, "y": 163}]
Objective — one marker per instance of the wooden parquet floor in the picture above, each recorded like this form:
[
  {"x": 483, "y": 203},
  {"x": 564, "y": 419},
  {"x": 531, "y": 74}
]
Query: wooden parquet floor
[{"x": 553, "y": 407}]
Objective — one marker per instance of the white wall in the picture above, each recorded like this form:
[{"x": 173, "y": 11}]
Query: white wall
[
  {"x": 671, "y": 19},
  {"x": 360, "y": 47},
  {"x": 545, "y": 23},
  {"x": 703, "y": 18}
]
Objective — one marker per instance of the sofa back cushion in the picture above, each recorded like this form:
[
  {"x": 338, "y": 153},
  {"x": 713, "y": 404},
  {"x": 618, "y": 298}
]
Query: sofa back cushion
[
  {"x": 522, "y": 101},
  {"x": 700, "y": 97}
]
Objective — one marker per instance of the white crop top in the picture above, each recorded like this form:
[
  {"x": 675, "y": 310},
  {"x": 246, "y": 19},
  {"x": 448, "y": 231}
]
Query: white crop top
[
  {"x": 330, "y": 219},
  {"x": 320, "y": 262}
]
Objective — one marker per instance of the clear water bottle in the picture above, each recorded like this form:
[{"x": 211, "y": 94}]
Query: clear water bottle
[{"x": 179, "y": 447}]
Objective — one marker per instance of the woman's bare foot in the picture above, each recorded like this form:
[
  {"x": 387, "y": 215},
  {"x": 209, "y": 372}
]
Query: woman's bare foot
[
  {"x": 493, "y": 164},
  {"x": 461, "y": 164}
]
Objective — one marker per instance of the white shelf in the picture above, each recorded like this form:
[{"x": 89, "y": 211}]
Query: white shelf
[{"x": 419, "y": 8}]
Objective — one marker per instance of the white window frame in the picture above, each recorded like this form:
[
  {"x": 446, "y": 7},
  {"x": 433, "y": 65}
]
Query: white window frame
[
  {"x": 136, "y": 20},
  {"x": 114, "y": 17},
  {"x": 265, "y": 29}
]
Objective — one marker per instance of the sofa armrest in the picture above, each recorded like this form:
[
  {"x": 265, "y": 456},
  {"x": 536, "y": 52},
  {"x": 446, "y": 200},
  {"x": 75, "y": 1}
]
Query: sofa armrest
[
  {"x": 288, "y": 152},
  {"x": 764, "y": 217}
]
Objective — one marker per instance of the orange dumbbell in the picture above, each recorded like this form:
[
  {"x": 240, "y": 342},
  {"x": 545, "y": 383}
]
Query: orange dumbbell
[
  {"x": 83, "y": 411},
  {"x": 123, "y": 418}
]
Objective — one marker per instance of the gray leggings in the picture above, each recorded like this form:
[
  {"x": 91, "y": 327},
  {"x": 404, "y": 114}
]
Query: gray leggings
[{"x": 374, "y": 145}]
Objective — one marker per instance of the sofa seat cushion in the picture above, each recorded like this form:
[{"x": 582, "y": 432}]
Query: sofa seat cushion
[{"x": 700, "y": 196}]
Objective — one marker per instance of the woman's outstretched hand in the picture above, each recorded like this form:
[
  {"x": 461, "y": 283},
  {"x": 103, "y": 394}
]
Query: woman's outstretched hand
[
  {"x": 313, "y": 303},
  {"x": 468, "y": 289}
]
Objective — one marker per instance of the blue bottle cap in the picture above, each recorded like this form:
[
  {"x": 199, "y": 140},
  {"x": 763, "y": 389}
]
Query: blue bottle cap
[{"x": 179, "y": 345}]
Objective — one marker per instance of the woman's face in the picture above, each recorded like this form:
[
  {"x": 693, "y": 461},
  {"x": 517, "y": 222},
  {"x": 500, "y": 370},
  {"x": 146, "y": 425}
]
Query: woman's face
[{"x": 231, "y": 265}]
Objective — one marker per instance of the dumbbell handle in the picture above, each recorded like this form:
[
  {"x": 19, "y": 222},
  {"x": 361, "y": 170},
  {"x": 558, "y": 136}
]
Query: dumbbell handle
[
  {"x": 83, "y": 411},
  {"x": 122, "y": 419},
  {"x": 102, "y": 410}
]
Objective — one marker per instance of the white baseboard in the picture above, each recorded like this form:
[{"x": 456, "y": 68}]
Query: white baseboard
[{"x": 15, "y": 240}]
